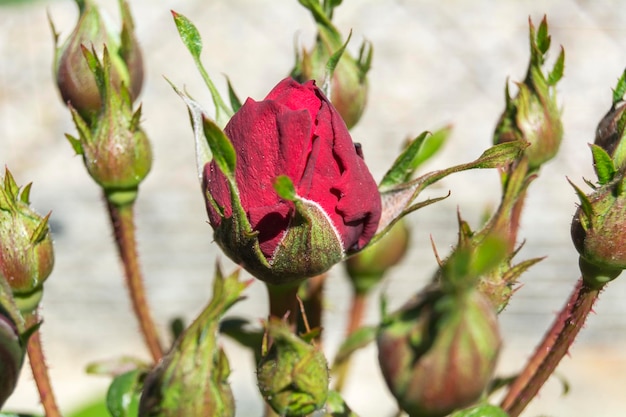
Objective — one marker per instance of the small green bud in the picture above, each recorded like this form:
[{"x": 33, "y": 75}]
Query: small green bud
[
  {"x": 293, "y": 374},
  {"x": 192, "y": 379},
  {"x": 438, "y": 352},
  {"x": 533, "y": 116},
  {"x": 116, "y": 151},
  {"x": 367, "y": 268},
  {"x": 348, "y": 85},
  {"x": 26, "y": 252},
  {"x": 74, "y": 77}
]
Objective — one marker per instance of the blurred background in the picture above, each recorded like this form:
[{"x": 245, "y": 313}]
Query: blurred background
[{"x": 434, "y": 63}]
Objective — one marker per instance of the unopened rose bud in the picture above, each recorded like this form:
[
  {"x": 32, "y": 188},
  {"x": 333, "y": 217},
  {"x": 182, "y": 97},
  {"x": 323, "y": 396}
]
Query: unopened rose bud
[
  {"x": 367, "y": 268},
  {"x": 192, "y": 379},
  {"x": 438, "y": 352},
  {"x": 599, "y": 228},
  {"x": 116, "y": 151},
  {"x": 348, "y": 86},
  {"x": 610, "y": 135},
  {"x": 294, "y": 209},
  {"x": 533, "y": 116},
  {"x": 293, "y": 375},
  {"x": 12, "y": 346},
  {"x": 26, "y": 252},
  {"x": 74, "y": 77}
]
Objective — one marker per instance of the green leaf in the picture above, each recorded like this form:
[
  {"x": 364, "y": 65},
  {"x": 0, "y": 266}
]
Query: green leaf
[
  {"x": 123, "y": 395},
  {"x": 483, "y": 410},
  {"x": 500, "y": 155},
  {"x": 489, "y": 254},
  {"x": 221, "y": 148},
  {"x": 557, "y": 71},
  {"x": 585, "y": 204},
  {"x": 284, "y": 188},
  {"x": 188, "y": 34},
  {"x": 603, "y": 164},
  {"x": 620, "y": 89},
  {"x": 357, "y": 340}
]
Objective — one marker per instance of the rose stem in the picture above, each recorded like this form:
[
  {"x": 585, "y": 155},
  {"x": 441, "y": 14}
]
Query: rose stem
[
  {"x": 314, "y": 300},
  {"x": 357, "y": 311},
  {"x": 284, "y": 302},
  {"x": 124, "y": 231},
  {"x": 553, "y": 348},
  {"x": 38, "y": 366}
]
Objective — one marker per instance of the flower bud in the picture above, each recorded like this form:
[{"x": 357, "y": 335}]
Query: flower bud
[
  {"x": 599, "y": 226},
  {"x": 348, "y": 84},
  {"x": 438, "y": 352},
  {"x": 115, "y": 150},
  {"x": 533, "y": 116},
  {"x": 75, "y": 79},
  {"x": 293, "y": 375},
  {"x": 12, "y": 347},
  {"x": 26, "y": 252},
  {"x": 367, "y": 268},
  {"x": 610, "y": 135},
  {"x": 295, "y": 209},
  {"x": 192, "y": 379}
]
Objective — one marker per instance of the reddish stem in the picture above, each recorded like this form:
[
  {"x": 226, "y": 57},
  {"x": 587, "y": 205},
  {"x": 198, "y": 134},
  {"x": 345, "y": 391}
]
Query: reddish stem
[
  {"x": 357, "y": 312},
  {"x": 124, "y": 231},
  {"x": 40, "y": 370},
  {"x": 284, "y": 302},
  {"x": 553, "y": 348}
]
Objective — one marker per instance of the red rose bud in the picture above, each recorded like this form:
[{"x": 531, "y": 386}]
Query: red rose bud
[
  {"x": 115, "y": 150},
  {"x": 293, "y": 375},
  {"x": 300, "y": 195},
  {"x": 74, "y": 77},
  {"x": 533, "y": 115},
  {"x": 438, "y": 352},
  {"x": 192, "y": 379},
  {"x": 367, "y": 268},
  {"x": 12, "y": 346},
  {"x": 26, "y": 252},
  {"x": 348, "y": 84},
  {"x": 599, "y": 231}
]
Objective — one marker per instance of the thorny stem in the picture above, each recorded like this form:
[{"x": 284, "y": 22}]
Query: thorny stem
[
  {"x": 357, "y": 311},
  {"x": 40, "y": 370},
  {"x": 124, "y": 231},
  {"x": 553, "y": 348}
]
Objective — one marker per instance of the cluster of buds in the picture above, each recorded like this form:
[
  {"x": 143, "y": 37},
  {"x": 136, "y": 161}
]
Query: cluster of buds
[
  {"x": 347, "y": 86},
  {"x": 599, "y": 224},
  {"x": 192, "y": 379},
  {"x": 532, "y": 116},
  {"x": 99, "y": 76},
  {"x": 26, "y": 261},
  {"x": 293, "y": 373}
]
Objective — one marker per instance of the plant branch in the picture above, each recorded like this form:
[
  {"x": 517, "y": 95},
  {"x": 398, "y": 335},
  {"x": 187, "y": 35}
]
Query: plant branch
[
  {"x": 124, "y": 231},
  {"x": 40, "y": 369},
  {"x": 553, "y": 348}
]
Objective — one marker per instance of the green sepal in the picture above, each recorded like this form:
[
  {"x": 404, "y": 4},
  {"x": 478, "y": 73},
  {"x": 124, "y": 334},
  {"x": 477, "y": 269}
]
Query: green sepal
[
  {"x": 191, "y": 38},
  {"x": 585, "y": 203},
  {"x": 620, "y": 89},
  {"x": 415, "y": 153},
  {"x": 398, "y": 200},
  {"x": 122, "y": 399},
  {"x": 331, "y": 65},
  {"x": 235, "y": 103},
  {"x": 602, "y": 164},
  {"x": 41, "y": 231},
  {"x": 284, "y": 188},
  {"x": 557, "y": 71}
]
